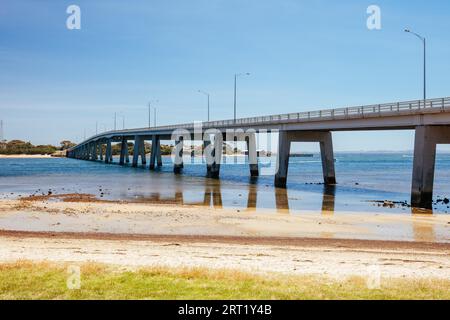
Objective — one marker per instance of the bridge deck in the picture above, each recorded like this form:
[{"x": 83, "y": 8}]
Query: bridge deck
[{"x": 397, "y": 115}]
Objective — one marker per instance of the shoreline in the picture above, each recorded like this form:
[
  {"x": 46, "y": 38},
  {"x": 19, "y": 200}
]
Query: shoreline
[
  {"x": 84, "y": 213},
  {"x": 25, "y": 156},
  {"x": 143, "y": 235}
]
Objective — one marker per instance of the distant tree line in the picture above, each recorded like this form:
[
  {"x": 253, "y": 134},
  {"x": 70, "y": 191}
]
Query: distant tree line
[
  {"x": 23, "y": 147},
  {"x": 165, "y": 149}
]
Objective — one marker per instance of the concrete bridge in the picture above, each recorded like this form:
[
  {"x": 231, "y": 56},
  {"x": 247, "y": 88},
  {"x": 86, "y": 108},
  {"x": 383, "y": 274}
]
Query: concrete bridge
[{"x": 429, "y": 118}]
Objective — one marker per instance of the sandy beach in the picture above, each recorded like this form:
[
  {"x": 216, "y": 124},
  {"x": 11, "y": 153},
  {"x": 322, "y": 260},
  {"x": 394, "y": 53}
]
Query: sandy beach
[{"x": 70, "y": 229}]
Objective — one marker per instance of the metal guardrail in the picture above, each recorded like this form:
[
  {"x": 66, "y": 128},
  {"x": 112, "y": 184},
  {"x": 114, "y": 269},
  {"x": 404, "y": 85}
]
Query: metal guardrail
[{"x": 378, "y": 110}]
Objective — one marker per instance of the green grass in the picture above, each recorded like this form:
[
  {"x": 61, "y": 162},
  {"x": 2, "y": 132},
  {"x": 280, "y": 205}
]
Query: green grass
[{"x": 26, "y": 280}]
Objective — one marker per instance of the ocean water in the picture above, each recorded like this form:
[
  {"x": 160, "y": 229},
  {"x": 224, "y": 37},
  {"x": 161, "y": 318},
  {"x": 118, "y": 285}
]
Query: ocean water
[{"x": 363, "y": 179}]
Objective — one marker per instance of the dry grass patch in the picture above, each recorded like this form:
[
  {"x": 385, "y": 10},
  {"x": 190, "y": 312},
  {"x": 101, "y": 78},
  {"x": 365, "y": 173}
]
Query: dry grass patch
[{"x": 27, "y": 280}]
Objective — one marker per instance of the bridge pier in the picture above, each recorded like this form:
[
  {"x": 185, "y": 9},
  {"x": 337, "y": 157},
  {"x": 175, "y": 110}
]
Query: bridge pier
[
  {"x": 155, "y": 155},
  {"x": 95, "y": 150},
  {"x": 178, "y": 161},
  {"x": 285, "y": 139},
  {"x": 139, "y": 150},
  {"x": 86, "y": 152},
  {"x": 284, "y": 148},
  {"x": 213, "y": 154},
  {"x": 252, "y": 155},
  {"x": 93, "y": 155},
  {"x": 100, "y": 145},
  {"x": 124, "y": 152},
  {"x": 108, "y": 152},
  {"x": 426, "y": 139},
  {"x": 326, "y": 152}
]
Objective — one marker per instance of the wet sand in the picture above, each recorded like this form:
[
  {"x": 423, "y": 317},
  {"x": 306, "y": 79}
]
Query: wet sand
[
  {"x": 65, "y": 228},
  {"x": 83, "y": 213}
]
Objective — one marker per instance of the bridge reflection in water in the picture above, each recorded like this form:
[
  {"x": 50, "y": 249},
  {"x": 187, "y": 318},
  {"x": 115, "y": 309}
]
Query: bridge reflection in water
[{"x": 212, "y": 196}]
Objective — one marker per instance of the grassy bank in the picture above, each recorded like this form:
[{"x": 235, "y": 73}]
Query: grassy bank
[{"x": 26, "y": 280}]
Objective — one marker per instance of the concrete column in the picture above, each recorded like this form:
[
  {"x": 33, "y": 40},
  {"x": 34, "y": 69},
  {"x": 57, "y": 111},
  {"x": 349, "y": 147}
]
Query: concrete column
[
  {"x": 142, "y": 152},
  {"x": 155, "y": 156},
  {"x": 284, "y": 147},
  {"x": 100, "y": 145},
  {"x": 138, "y": 151},
  {"x": 90, "y": 150},
  {"x": 206, "y": 144},
  {"x": 108, "y": 152},
  {"x": 326, "y": 151},
  {"x": 158, "y": 153},
  {"x": 96, "y": 144},
  {"x": 123, "y": 151},
  {"x": 423, "y": 167},
  {"x": 216, "y": 157},
  {"x": 252, "y": 154},
  {"x": 93, "y": 156},
  {"x": 178, "y": 165},
  {"x": 127, "y": 155}
]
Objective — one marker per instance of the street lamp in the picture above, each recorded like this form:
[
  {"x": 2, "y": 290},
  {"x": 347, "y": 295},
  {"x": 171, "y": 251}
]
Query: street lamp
[
  {"x": 424, "y": 41},
  {"x": 149, "y": 111},
  {"x": 235, "y": 82},
  {"x": 206, "y": 94}
]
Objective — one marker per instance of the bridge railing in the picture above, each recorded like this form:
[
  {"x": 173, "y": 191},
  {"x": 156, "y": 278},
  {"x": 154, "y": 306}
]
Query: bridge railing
[{"x": 349, "y": 112}]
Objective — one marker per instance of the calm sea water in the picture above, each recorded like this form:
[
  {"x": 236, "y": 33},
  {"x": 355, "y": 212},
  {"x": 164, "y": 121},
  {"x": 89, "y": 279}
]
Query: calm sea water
[{"x": 362, "y": 179}]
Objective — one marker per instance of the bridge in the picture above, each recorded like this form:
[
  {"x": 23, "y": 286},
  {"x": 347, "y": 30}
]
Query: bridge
[{"x": 429, "y": 118}]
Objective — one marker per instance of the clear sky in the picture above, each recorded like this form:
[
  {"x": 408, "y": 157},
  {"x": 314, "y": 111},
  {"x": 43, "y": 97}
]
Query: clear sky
[{"x": 303, "y": 55}]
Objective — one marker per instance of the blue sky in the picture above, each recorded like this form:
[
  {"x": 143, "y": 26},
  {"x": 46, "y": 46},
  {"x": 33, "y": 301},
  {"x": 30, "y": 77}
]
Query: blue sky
[{"x": 57, "y": 83}]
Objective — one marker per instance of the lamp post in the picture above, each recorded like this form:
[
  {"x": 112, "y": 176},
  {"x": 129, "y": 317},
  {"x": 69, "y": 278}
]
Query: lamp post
[
  {"x": 149, "y": 112},
  {"x": 235, "y": 85},
  {"x": 424, "y": 41},
  {"x": 206, "y": 94}
]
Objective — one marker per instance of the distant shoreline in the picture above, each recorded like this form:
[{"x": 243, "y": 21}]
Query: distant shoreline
[{"x": 25, "y": 156}]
